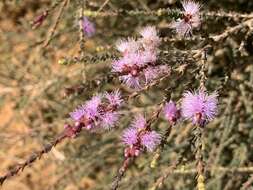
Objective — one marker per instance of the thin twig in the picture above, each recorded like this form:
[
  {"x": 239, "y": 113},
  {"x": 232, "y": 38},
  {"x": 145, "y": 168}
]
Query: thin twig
[
  {"x": 36, "y": 156},
  {"x": 121, "y": 173},
  {"x": 104, "y": 4},
  {"x": 57, "y": 21}
]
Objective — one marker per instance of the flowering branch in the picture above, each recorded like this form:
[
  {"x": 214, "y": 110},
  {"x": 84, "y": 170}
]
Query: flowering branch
[
  {"x": 73, "y": 131},
  {"x": 173, "y": 14},
  {"x": 138, "y": 138}
]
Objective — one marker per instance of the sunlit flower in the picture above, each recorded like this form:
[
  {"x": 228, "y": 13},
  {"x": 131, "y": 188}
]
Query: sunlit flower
[
  {"x": 190, "y": 19},
  {"x": 99, "y": 112},
  {"x": 109, "y": 119},
  {"x": 150, "y": 38},
  {"x": 131, "y": 81},
  {"x": 139, "y": 122},
  {"x": 140, "y": 137},
  {"x": 151, "y": 140},
  {"x": 129, "y": 136},
  {"x": 127, "y": 46},
  {"x": 199, "y": 106},
  {"x": 114, "y": 98},
  {"x": 138, "y": 65}
]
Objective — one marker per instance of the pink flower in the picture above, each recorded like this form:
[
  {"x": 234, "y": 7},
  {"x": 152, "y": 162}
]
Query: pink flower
[
  {"x": 129, "y": 64},
  {"x": 127, "y": 46},
  {"x": 140, "y": 137},
  {"x": 171, "y": 112},
  {"x": 89, "y": 109},
  {"x": 88, "y": 27},
  {"x": 151, "y": 140},
  {"x": 99, "y": 112},
  {"x": 137, "y": 67},
  {"x": 78, "y": 113},
  {"x": 129, "y": 136},
  {"x": 109, "y": 119},
  {"x": 91, "y": 106},
  {"x": 118, "y": 66},
  {"x": 114, "y": 98},
  {"x": 131, "y": 81},
  {"x": 199, "y": 106},
  {"x": 139, "y": 122},
  {"x": 150, "y": 38},
  {"x": 148, "y": 56},
  {"x": 151, "y": 73},
  {"x": 191, "y": 7},
  {"x": 135, "y": 60},
  {"x": 190, "y": 20}
]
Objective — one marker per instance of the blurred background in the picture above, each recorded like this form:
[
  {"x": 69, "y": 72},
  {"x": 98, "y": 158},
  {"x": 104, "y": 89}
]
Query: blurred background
[{"x": 37, "y": 93}]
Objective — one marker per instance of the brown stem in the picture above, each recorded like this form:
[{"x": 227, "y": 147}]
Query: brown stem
[
  {"x": 160, "y": 181},
  {"x": 121, "y": 173},
  {"x": 199, "y": 158}
]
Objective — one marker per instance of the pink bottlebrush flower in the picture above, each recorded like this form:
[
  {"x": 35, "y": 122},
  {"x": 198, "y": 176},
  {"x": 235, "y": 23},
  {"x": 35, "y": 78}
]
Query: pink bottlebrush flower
[
  {"x": 130, "y": 136},
  {"x": 190, "y": 20},
  {"x": 154, "y": 72},
  {"x": 138, "y": 67},
  {"x": 127, "y": 46},
  {"x": 129, "y": 64},
  {"x": 150, "y": 38},
  {"x": 78, "y": 113},
  {"x": 88, "y": 27},
  {"x": 92, "y": 106},
  {"x": 199, "y": 106},
  {"x": 99, "y": 112},
  {"x": 89, "y": 109},
  {"x": 148, "y": 56},
  {"x": 139, "y": 137},
  {"x": 131, "y": 81},
  {"x": 135, "y": 60},
  {"x": 109, "y": 119},
  {"x": 114, "y": 98},
  {"x": 150, "y": 140},
  {"x": 191, "y": 7},
  {"x": 118, "y": 66},
  {"x": 150, "y": 74},
  {"x": 139, "y": 122},
  {"x": 171, "y": 112}
]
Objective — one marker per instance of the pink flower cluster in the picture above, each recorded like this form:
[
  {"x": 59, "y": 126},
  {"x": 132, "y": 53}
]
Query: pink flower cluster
[
  {"x": 198, "y": 106},
  {"x": 139, "y": 137},
  {"x": 190, "y": 19},
  {"x": 138, "y": 64},
  {"x": 99, "y": 112}
]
